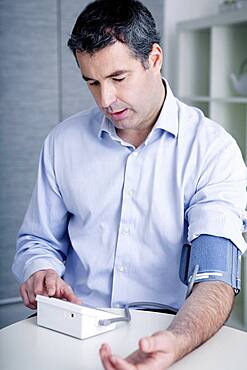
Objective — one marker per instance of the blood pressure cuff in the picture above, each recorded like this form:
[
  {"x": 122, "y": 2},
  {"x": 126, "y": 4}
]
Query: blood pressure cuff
[{"x": 218, "y": 259}]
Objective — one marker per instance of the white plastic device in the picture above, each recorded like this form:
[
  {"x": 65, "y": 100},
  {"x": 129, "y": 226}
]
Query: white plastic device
[{"x": 72, "y": 319}]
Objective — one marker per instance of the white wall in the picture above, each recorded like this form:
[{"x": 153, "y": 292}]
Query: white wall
[{"x": 181, "y": 10}]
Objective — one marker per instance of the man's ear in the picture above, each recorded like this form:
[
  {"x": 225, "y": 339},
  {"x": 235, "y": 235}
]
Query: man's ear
[{"x": 156, "y": 58}]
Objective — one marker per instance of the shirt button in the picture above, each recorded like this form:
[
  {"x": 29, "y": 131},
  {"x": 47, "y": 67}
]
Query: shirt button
[
  {"x": 117, "y": 305},
  {"x": 135, "y": 154},
  {"x": 121, "y": 268},
  {"x": 130, "y": 192},
  {"x": 126, "y": 231}
]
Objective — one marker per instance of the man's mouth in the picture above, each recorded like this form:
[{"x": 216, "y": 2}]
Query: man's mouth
[{"x": 119, "y": 115}]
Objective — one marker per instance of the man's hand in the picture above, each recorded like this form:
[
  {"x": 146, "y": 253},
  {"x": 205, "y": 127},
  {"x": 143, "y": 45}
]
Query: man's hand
[
  {"x": 156, "y": 352},
  {"x": 201, "y": 316},
  {"x": 47, "y": 283}
]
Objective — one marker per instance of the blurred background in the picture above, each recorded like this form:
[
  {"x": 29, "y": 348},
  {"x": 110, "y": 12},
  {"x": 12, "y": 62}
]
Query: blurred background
[{"x": 205, "y": 53}]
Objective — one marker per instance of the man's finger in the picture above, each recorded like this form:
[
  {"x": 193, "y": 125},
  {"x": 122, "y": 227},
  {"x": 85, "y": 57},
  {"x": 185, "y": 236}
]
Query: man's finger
[
  {"x": 24, "y": 296},
  {"x": 31, "y": 298},
  {"x": 161, "y": 341},
  {"x": 30, "y": 292},
  {"x": 67, "y": 293},
  {"x": 105, "y": 353},
  {"x": 121, "y": 364},
  {"x": 39, "y": 285},
  {"x": 51, "y": 283}
]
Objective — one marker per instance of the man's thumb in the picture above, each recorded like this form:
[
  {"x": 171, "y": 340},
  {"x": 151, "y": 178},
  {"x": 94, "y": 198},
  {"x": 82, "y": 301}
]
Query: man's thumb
[{"x": 160, "y": 341}]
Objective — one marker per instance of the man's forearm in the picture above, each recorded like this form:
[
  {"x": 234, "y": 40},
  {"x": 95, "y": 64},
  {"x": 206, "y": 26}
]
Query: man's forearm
[{"x": 202, "y": 315}]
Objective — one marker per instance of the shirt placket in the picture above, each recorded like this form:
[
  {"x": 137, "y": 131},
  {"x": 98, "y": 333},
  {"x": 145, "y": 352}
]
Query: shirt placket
[{"x": 126, "y": 230}]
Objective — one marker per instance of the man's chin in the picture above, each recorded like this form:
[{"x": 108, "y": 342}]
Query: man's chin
[{"x": 122, "y": 125}]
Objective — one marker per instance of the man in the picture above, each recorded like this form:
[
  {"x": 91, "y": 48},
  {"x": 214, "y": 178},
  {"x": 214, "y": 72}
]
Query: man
[{"x": 123, "y": 186}]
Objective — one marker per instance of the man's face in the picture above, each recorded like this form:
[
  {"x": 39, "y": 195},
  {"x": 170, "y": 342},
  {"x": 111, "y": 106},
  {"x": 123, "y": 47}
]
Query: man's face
[{"x": 124, "y": 90}]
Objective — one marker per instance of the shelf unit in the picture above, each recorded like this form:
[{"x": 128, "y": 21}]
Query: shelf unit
[{"x": 209, "y": 50}]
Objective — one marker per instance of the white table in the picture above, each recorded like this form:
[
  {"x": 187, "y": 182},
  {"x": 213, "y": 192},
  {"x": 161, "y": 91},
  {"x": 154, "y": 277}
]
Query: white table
[{"x": 24, "y": 345}]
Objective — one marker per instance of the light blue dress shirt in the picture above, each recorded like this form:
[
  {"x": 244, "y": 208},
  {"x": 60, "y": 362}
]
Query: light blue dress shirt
[{"x": 112, "y": 218}]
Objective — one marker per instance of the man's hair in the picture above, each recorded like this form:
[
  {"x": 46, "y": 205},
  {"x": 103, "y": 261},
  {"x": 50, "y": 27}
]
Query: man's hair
[{"x": 103, "y": 22}]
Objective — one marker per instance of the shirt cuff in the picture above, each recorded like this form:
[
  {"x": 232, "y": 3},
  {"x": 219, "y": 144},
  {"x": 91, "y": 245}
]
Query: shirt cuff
[
  {"x": 217, "y": 224},
  {"x": 39, "y": 263}
]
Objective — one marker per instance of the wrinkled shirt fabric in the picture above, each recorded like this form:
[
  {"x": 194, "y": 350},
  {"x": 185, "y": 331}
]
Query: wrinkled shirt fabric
[{"x": 112, "y": 219}]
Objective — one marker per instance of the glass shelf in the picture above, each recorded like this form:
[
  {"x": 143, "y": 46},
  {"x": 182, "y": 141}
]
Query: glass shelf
[{"x": 227, "y": 99}]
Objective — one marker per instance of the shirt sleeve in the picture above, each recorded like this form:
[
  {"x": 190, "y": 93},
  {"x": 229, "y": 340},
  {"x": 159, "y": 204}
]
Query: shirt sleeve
[
  {"x": 218, "y": 205},
  {"x": 42, "y": 241}
]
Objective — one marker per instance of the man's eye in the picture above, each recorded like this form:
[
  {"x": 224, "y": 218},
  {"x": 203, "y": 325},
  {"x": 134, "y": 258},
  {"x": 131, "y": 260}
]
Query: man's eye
[
  {"x": 118, "y": 79},
  {"x": 95, "y": 83}
]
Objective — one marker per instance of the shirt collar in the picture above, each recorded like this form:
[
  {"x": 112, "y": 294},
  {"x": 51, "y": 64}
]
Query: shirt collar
[
  {"x": 168, "y": 118},
  {"x": 167, "y": 121},
  {"x": 108, "y": 127}
]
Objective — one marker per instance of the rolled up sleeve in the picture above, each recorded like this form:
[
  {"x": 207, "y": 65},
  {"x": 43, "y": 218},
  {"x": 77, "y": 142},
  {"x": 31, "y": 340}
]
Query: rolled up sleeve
[{"x": 218, "y": 205}]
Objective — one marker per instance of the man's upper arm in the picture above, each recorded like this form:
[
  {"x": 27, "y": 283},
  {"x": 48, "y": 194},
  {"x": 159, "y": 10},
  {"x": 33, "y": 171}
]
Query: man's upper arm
[
  {"x": 43, "y": 238},
  {"x": 218, "y": 205}
]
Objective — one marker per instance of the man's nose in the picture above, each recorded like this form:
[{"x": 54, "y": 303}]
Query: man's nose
[{"x": 108, "y": 97}]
